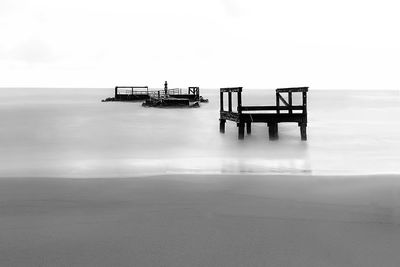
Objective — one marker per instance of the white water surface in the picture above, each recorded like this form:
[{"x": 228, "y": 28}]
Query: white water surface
[{"x": 53, "y": 132}]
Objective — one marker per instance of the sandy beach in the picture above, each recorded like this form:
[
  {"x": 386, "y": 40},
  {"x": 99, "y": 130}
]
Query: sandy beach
[{"x": 193, "y": 220}]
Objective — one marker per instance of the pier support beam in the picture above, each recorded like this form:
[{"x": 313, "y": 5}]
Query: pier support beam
[
  {"x": 248, "y": 127},
  {"x": 303, "y": 131},
  {"x": 241, "y": 130},
  {"x": 273, "y": 131},
  {"x": 222, "y": 125}
]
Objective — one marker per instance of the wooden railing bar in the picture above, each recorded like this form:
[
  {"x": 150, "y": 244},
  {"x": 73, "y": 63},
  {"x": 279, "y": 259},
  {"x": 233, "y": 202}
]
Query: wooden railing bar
[
  {"x": 231, "y": 89},
  {"x": 292, "y": 89},
  {"x": 230, "y": 101},
  {"x": 283, "y": 100},
  {"x": 248, "y": 108}
]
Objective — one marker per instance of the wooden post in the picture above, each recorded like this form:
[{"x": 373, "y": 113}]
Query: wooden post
[
  {"x": 290, "y": 102},
  {"x": 303, "y": 131},
  {"x": 239, "y": 100},
  {"x": 273, "y": 131},
  {"x": 248, "y": 127},
  {"x": 277, "y": 103},
  {"x": 230, "y": 101},
  {"x": 241, "y": 130},
  {"x": 304, "y": 102},
  {"x": 165, "y": 89},
  {"x": 116, "y": 92},
  {"x": 222, "y": 125},
  {"x": 221, "y": 101}
]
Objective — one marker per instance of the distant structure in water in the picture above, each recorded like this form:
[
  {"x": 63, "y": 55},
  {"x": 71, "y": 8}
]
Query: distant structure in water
[
  {"x": 175, "y": 98},
  {"x": 272, "y": 115},
  {"x": 158, "y": 98}
]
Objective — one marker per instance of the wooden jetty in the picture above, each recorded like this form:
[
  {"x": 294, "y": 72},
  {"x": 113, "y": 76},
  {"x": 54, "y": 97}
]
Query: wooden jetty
[
  {"x": 140, "y": 93},
  {"x": 171, "y": 98},
  {"x": 157, "y": 97},
  {"x": 272, "y": 115}
]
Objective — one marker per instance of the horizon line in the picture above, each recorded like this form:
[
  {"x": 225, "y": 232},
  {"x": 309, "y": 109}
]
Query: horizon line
[{"x": 250, "y": 88}]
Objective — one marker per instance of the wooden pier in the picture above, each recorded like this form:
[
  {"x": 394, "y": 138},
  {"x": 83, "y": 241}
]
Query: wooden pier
[
  {"x": 169, "y": 97},
  {"x": 140, "y": 93},
  {"x": 175, "y": 98},
  {"x": 272, "y": 115}
]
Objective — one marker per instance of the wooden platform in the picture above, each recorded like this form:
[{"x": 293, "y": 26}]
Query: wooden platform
[
  {"x": 272, "y": 115},
  {"x": 174, "y": 98}
]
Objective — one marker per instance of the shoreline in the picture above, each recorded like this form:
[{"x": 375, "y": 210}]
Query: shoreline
[{"x": 206, "y": 174}]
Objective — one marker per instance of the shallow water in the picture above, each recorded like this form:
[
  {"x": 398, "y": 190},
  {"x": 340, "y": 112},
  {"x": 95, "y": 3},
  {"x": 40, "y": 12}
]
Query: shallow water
[{"x": 49, "y": 132}]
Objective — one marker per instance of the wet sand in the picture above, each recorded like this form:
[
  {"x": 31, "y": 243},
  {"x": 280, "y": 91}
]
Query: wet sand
[{"x": 208, "y": 220}]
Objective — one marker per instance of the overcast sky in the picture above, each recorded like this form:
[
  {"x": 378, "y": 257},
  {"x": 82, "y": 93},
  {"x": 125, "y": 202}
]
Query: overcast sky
[{"x": 341, "y": 44}]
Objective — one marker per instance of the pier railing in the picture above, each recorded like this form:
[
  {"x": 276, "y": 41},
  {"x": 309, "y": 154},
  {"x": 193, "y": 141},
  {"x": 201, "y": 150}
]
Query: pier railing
[
  {"x": 131, "y": 93},
  {"x": 230, "y": 91},
  {"x": 287, "y": 102},
  {"x": 131, "y": 90},
  {"x": 161, "y": 93}
]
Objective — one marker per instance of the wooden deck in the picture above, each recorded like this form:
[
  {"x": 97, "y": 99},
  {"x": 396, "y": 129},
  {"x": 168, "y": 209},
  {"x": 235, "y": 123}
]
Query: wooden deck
[
  {"x": 283, "y": 111},
  {"x": 174, "y": 98}
]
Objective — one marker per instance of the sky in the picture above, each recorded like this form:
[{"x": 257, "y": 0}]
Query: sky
[{"x": 342, "y": 44}]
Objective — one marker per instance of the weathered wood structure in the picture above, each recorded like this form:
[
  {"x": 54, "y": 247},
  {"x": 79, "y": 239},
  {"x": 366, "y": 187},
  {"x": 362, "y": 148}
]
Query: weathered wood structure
[
  {"x": 158, "y": 97},
  {"x": 272, "y": 115},
  {"x": 193, "y": 94},
  {"x": 175, "y": 98}
]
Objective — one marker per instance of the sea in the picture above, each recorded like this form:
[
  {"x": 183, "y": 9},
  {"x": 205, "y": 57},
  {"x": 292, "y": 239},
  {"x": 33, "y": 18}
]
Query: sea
[{"x": 70, "y": 133}]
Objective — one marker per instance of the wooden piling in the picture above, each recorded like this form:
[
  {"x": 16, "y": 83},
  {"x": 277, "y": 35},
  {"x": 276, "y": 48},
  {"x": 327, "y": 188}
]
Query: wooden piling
[
  {"x": 273, "y": 131},
  {"x": 222, "y": 125},
  {"x": 303, "y": 131},
  {"x": 248, "y": 127},
  {"x": 241, "y": 131}
]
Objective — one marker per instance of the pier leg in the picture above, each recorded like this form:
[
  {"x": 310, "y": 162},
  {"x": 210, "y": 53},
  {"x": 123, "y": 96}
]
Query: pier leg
[
  {"x": 248, "y": 127},
  {"x": 273, "y": 131},
  {"x": 241, "y": 130},
  {"x": 303, "y": 131},
  {"x": 222, "y": 125}
]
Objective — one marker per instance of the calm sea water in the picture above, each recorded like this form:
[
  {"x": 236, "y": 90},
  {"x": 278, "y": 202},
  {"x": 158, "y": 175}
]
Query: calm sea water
[{"x": 70, "y": 133}]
